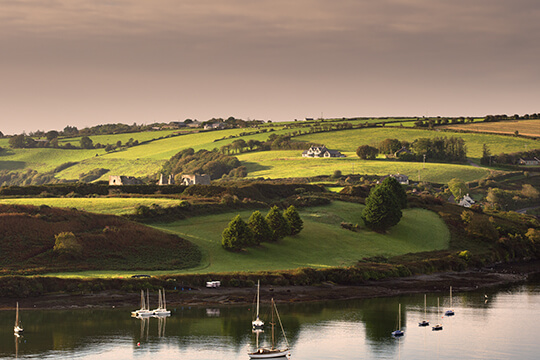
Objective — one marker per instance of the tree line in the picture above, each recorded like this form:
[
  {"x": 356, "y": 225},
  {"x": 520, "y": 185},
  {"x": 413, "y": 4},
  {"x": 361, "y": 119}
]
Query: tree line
[
  {"x": 441, "y": 149},
  {"x": 275, "y": 226}
]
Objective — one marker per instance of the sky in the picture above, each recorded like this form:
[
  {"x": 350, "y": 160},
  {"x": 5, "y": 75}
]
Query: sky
[{"x": 88, "y": 62}]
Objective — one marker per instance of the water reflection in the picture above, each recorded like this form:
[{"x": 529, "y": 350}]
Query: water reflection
[{"x": 315, "y": 330}]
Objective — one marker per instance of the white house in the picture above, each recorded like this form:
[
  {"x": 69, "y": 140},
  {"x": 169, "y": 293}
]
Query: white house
[
  {"x": 529, "y": 162},
  {"x": 203, "y": 179},
  {"x": 321, "y": 152},
  {"x": 467, "y": 201}
]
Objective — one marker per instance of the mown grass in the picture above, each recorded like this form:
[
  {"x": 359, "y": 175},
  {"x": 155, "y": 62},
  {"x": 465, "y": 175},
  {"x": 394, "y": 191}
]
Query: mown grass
[
  {"x": 290, "y": 163},
  {"x": 322, "y": 243},
  {"x": 112, "y": 206}
]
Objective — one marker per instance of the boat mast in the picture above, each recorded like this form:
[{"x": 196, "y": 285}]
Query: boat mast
[
  {"x": 147, "y": 299},
  {"x": 450, "y": 297},
  {"x": 17, "y": 315},
  {"x": 164, "y": 304},
  {"x": 258, "y": 289},
  {"x": 273, "y": 340},
  {"x": 425, "y": 305},
  {"x": 399, "y": 317},
  {"x": 281, "y": 325}
]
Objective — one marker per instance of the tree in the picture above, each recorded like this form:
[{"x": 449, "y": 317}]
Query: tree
[
  {"x": 389, "y": 146},
  {"x": 397, "y": 190},
  {"x": 259, "y": 226},
  {"x": 295, "y": 222},
  {"x": 382, "y": 209},
  {"x": 53, "y": 134},
  {"x": 486, "y": 155},
  {"x": 458, "y": 188},
  {"x": 67, "y": 243},
  {"x": 367, "y": 152},
  {"x": 86, "y": 143},
  {"x": 279, "y": 225},
  {"x": 17, "y": 141},
  {"x": 236, "y": 235}
]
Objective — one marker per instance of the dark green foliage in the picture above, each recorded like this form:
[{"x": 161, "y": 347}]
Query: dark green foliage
[
  {"x": 389, "y": 146},
  {"x": 397, "y": 190},
  {"x": 295, "y": 222},
  {"x": 279, "y": 225},
  {"x": 86, "y": 143},
  {"x": 237, "y": 235},
  {"x": 366, "y": 152},
  {"x": 441, "y": 148},
  {"x": 259, "y": 226},
  {"x": 207, "y": 162},
  {"x": 382, "y": 209}
]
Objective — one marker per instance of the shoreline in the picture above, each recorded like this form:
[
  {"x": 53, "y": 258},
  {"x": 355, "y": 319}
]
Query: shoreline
[{"x": 502, "y": 274}]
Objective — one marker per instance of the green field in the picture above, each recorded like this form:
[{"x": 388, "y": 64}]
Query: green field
[
  {"x": 147, "y": 159},
  {"x": 112, "y": 206},
  {"x": 349, "y": 140},
  {"x": 290, "y": 163},
  {"x": 322, "y": 243}
]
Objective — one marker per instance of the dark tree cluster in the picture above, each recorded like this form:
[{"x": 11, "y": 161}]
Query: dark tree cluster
[
  {"x": 258, "y": 229},
  {"x": 384, "y": 205}
]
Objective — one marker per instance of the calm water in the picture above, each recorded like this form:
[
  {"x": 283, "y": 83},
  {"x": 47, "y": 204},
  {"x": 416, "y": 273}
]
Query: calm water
[{"x": 504, "y": 327}]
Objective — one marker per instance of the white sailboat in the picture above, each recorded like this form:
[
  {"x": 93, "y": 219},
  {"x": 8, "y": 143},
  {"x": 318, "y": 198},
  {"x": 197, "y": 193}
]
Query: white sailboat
[
  {"x": 272, "y": 352},
  {"x": 424, "y": 322},
  {"x": 161, "y": 310},
  {"x": 450, "y": 312},
  {"x": 17, "y": 329},
  {"x": 398, "y": 332},
  {"x": 437, "y": 327},
  {"x": 144, "y": 311},
  {"x": 257, "y": 323}
]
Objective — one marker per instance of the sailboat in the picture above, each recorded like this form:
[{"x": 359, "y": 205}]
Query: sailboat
[
  {"x": 144, "y": 311},
  {"x": 398, "y": 331},
  {"x": 424, "y": 322},
  {"x": 162, "y": 306},
  {"x": 17, "y": 329},
  {"x": 438, "y": 326},
  {"x": 257, "y": 323},
  {"x": 272, "y": 352},
  {"x": 451, "y": 311}
]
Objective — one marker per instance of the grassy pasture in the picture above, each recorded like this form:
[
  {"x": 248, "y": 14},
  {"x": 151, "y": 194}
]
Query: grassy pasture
[
  {"x": 524, "y": 127},
  {"x": 329, "y": 245},
  {"x": 111, "y": 206},
  {"x": 289, "y": 163},
  {"x": 124, "y": 138},
  {"x": 349, "y": 140}
]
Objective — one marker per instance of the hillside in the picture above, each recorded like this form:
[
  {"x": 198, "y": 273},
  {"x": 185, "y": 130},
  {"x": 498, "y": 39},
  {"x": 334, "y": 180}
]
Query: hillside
[
  {"x": 108, "y": 242},
  {"x": 157, "y": 147}
]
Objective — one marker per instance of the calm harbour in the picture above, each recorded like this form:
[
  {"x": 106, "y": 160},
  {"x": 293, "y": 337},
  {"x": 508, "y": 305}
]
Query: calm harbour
[{"x": 501, "y": 326}]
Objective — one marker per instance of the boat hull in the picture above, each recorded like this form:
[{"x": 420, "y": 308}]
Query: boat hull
[{"x": 269, "y": 354}]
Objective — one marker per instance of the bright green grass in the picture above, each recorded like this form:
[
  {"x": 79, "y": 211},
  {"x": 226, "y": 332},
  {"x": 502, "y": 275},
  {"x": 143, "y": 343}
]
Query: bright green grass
[
  {"x": 349, "y": 140},
  {"x": 113, "y": 206},
  {"x": 322, "y": 243},
  {"x": 43, "y": 160},
  {"x": 289, "y": 163},
  {"x": 124, "y": 138}
]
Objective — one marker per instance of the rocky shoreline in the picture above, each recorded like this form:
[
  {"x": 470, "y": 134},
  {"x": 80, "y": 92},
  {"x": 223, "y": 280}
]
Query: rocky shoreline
[{"x": 460, "y": 281}]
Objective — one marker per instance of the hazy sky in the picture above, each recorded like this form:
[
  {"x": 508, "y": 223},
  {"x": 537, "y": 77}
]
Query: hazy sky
[{"x": 82, "y": 63}]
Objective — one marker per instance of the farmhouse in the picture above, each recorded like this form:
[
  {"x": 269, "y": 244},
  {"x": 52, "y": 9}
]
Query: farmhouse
[
  {"x": 529, "y": 161},
  {"x": 203, "y": 179},
  {"x": 402, "y": 179},
  {"x": 467, "y": 201},
  {"x": 321, "y": 152},
  {"x": 118, "y": 180}
]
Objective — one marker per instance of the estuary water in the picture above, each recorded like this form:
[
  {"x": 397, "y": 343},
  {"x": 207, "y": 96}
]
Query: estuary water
[{"x": 502, "y": 326}]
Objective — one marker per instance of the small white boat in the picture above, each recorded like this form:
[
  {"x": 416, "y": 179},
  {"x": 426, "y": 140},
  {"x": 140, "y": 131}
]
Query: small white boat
[
  {"x": 398, "y": 332},
  {"x": 437, "y": 327},
  {"x": 424, "y": 322},
  {"x": 144, "y": 311},
  {"x": 17, "y": 328},
  {"x": 161, "y": 310},
  {"x": 272, "y": 352},
  {"x": 451, "y": 311},
  {"x": 257, "y": 323}
]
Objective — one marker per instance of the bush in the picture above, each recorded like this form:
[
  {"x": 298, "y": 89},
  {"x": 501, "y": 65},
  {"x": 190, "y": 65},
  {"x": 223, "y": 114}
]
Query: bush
[
  {"x": 279, "y": 225},
  {"x": 236, "y": 235},
  {"x": 66, "y": 243},
  {"x": 293, "y": 218}
]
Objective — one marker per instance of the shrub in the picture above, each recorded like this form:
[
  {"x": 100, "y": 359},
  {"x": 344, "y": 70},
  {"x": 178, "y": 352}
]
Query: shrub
[
  {"x": 259, "y": 226},
  {"x": 279, "y": 225},
  {"x": 293, "y": 218},
  {"x": 66, "y": 243},
  {"x": 236, "y": 235}
]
